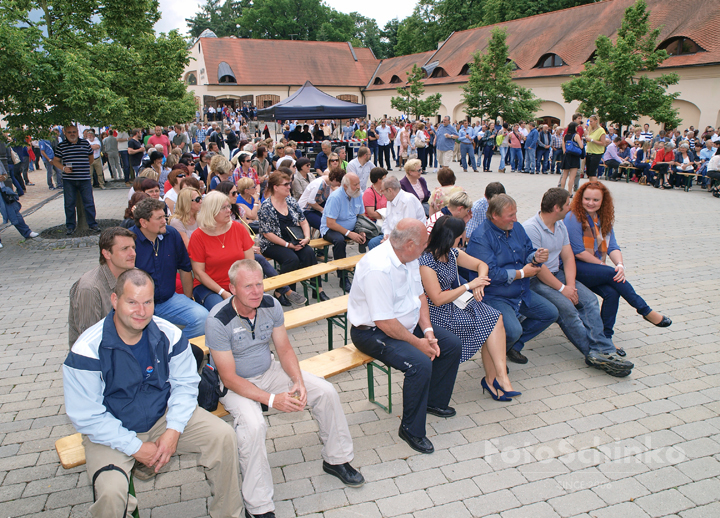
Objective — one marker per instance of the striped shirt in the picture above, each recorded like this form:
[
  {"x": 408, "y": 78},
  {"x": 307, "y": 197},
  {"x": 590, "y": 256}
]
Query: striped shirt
[
  {"x": 90, "y": 300},
  {"x": 76, "y": 155},
  {"x": 646, "y": 135}
]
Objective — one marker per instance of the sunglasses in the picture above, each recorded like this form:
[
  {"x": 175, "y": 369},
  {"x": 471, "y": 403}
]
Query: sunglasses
[
  {"x": 334, "y": 160},
  {"x": 198, "y": 199},
  {"x": 180, "y": 176},
  {"x": 286, "y": 184},
  {"x": 233, "y": 193}
]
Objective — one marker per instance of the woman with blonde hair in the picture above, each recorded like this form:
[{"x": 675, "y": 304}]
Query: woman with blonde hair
[
  {"x": 415, "y": 184},
  {"x": 184, "y": 218},
  {"x": 214, "y": 247},
  {"x": 248, "y": 196},
  {"x": 220, "y": 170}
]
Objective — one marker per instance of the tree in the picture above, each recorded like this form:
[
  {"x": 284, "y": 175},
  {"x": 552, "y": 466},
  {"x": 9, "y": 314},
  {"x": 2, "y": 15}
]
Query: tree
[
  {"x": 419, "y": 31},
  {"x": 490, "y": 90},
  {"x": 497, "y": 11},
  {"x": 389, "y": 39},
  {"x": 410, "y": 101},
  {"x": 614, "y": 87},
  {"x": 87, "y": 61},
  {"x": 285, "y": 19},
  {"x": 221, "y": 18}
]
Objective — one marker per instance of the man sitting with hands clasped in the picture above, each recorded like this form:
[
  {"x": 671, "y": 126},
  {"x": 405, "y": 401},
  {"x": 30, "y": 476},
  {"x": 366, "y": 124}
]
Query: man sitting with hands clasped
[{"x": 238, "y": 333}]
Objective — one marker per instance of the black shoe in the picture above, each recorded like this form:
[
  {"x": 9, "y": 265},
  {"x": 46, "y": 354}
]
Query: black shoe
[
  {"x": 610, "y": 363},
  {"x": 345, "y": 284},
  {"x": 282, "y": 299},
  {"x": 665, "y": 322},
  {"x": 345, "y": 472},
  {"x": 516, "y": 357},
  {"x": 620, "y": 373},
  {"x": 322, "y": 296},
  {"x": 421, "y": 444},
  {"x": 70, "y": 232},
  {"x": 270, "y": 514},
  {"x": 621, "y": 352},
  {"x": 441, "y": 412},
  {"x": 95, "y": 229}
]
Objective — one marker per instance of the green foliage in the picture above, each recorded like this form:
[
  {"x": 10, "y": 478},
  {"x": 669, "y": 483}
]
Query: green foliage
[
  {"x": 218, "y": 16},
  {"x": 389, "y": 39},
  {"x": 497, "y": 11},
  {"x": 88, "y": 62},
  {"x": 410, "y": 101},
  {"x": 611, "y": 86},
  {"x": 490, "y": 90}
]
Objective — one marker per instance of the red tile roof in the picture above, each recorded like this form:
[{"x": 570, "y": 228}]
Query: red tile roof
[
  {"x": 571, "y": 34},
  {"x": 285, "y": 62}
]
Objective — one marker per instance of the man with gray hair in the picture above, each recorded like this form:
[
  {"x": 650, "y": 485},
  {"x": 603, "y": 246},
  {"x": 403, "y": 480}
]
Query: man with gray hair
[
  {"x": 445, "y": 142},
  {"x": 400, "y": 205},
  {"x": 361, "y": 166},
  {"x": 238, "y": 333},
  {"x": 339, "y": 217},
  {"x": 501, "y": 242},
  {"x": 390, "y": 321}
]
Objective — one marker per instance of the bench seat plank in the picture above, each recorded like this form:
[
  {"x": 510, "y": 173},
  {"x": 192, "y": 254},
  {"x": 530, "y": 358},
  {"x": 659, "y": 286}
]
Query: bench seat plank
[
  {"x": 347, "y": 263},
  {"x": 303, "y": 274}
]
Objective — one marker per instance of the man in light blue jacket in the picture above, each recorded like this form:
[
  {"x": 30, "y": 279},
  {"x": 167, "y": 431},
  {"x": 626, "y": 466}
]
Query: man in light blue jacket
[
  {"x": 531, "y": 143},
  {"x": 445, "y": 142},
  {"x": 131, "y": 388},
  {"x": 467, "y": 136}
]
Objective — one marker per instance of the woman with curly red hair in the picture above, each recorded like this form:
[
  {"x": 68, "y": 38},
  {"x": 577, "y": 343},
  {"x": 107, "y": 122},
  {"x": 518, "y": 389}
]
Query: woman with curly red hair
[{"x": 592, "y": 238}]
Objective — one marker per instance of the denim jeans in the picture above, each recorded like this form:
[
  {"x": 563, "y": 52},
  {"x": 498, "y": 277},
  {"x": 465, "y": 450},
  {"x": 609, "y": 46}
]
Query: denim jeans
[
  {"x": 539, "y": 313},
  {"x": 376, "y": 241},
  {"x": 581, "y": 323},
  {"x": 467, "y": 149},
  {"x": 125, "y": 163},
  {"x": 557, "y": 158},
  {"x": 183, "y": 311},
  {"x": 599, "y": 278},
  {"x": 515, "y": 159},
  {"x": 313, "y": 217},
  {"x": 542, "y": 160},
  {"x": 487, "y": 157},
  {"x": 11, "y": 212},
  {"x": 49, "y": 169},
  {"x": 207, "y": 297},
  {"x": 529, "y": 160},
  {"x": 290, "y": 260},
  {"x": 83, "y": 188},
  {"x": 503, "y": 153},
  {"x": 339, "y": 246},
  {"x": 16, "y": 176},
  {"x": 427, "y": 382}
]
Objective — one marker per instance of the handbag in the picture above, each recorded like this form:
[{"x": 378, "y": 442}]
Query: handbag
[
  {"x": 209, "y": 392},
  {"x": 571, "y": 148},
  {"x": 367, "y": 226},
  {"x": 293, "y": 233},
  {"x": 14, "y": 156},
  {"x": 463, "y": 300}
]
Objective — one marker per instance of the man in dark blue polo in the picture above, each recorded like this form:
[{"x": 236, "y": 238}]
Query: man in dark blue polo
[
  {"x": 73, "y": 157},
  {"x": 502, "y": 243},
  {"x": 160, "y": 251}
]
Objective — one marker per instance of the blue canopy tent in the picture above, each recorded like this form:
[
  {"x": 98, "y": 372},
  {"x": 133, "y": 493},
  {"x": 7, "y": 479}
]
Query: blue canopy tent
[{"x": 309, "y": 103}]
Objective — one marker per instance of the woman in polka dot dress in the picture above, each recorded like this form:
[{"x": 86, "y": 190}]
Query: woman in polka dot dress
[{"x": 477, "y": 324}]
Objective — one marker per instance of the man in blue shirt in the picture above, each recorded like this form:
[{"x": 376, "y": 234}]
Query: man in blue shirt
[
  {"x": 531, "y": 143},
  {"x": 445, "y": 142},
  {"x": 161, "y": 253},
  {"x": 467, "y": 135},
  {"x": 321, "y": 160},
  {"x": 47, "y": 152},
  {"x": 339, "y": 218},
  {"x": 502, "y": 243}
]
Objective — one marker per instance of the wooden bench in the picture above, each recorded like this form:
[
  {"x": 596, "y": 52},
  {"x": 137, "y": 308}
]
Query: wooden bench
[
  {"x": 346, "y": 264},
  {"x": 302, "y": 275},
  {"x": 689, "y": 178},
  {"x": 627, "y": 171}
]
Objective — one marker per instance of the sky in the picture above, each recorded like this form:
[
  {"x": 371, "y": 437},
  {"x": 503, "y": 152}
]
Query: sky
[{"x": 174, "y": 12}]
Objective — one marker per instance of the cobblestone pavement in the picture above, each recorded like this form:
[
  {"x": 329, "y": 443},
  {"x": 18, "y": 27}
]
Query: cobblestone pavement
[{"x": 576, "y": 443}]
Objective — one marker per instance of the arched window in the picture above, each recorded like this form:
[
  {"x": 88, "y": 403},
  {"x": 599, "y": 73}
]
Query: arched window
[
  {"x": 514, "y": 65},
  {"x": 191, "y": 79},
  {"x": 680, "y": 45},
  {"x": 592, "y": 57},
  {"x": 378, "y": 81},
  {"x": 465, "y": 70},
  {"x": 439, "y": 72},
  {"x": 550, "y": 61},
  {"x": 395, "y": 79}
]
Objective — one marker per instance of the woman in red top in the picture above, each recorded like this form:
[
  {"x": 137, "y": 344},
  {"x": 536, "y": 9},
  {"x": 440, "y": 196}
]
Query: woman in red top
[
  {"x": 214, "y": 247},
  {"x": 664, "y": 159}
]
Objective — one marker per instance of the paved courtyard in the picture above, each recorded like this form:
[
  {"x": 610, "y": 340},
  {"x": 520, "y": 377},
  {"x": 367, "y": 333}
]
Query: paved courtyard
[{"x": 577, "y": 443}]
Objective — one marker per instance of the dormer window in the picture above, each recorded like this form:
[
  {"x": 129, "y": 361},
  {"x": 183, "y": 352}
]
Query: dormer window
[
  {"x": 680, "y": 45},
  {"x": 514, "y": 65},
  {"x": 395, "y": 79},
  {"x": 378, "y": 81},
  {"x": 465, "y": 70},
  {"x": 550, "y": 61},
  {"x": 439, "y": 72}
]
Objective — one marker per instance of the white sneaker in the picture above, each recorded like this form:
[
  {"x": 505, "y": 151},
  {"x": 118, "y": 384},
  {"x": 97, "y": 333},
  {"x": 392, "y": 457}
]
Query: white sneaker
[
  {"x": 34, "y": 234},
  {"x": 1, "y": 245}
]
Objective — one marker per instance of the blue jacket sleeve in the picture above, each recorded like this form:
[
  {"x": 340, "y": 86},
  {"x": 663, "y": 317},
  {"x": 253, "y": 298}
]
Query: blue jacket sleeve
[
  {"x": 612, "y": 244},
  {"x": 481, "y": 247},
  {"x": 575, "y": 233}
]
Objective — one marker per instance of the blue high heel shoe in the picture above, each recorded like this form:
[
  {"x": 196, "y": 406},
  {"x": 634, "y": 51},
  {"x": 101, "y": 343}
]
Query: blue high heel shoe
[
  {"x": 485, "y": 387},
  {"x": 511, "y": 393}
]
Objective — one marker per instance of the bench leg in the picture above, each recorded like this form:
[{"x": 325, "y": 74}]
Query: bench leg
[
  {"x": 371, "y": 385},
  {"x": 326, "y": 252},
  {"x": 131, "y": 490},
  {"x": 341, "y": 322}
]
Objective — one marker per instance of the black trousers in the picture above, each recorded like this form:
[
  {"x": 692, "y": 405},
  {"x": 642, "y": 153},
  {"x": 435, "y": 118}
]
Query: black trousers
[
  {"x": 338, "y": 241},
  {"x": 384, "y": 156},
  {"x": 427, "y": 383}
]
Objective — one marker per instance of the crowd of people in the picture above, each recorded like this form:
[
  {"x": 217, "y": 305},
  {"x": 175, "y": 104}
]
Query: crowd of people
[{"x": 446, "y": 278}]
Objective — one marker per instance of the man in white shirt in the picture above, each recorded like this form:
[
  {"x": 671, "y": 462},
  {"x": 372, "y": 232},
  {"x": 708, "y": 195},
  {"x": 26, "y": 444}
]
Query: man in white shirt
[
  {"x": 400, "y": 205},
  {"x": 646, "y": 134},
  {"x": 390, "y": 321},
  {"x": 383, "y": 132},
  {"x": 361, "y": 166}
]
